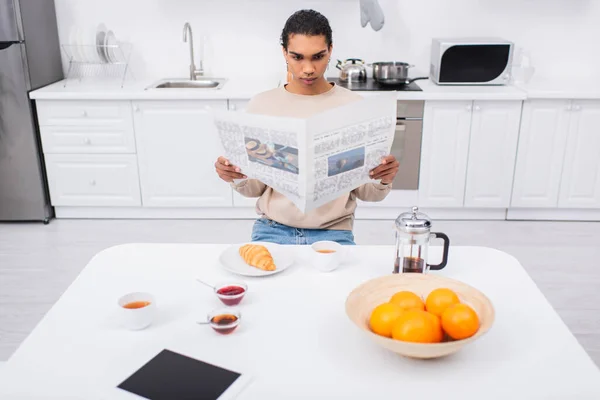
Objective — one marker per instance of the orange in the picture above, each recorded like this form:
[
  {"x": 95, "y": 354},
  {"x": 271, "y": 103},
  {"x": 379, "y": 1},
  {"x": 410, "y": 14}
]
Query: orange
[
  {"x": 439, "y": 300},
  {"x": 416, "y": 326},
  {"x": 408, "y": 300},
  {"x": 383, "y": 318},
  {"x": 439, "y": 333},
  {"x": 460, "y": 321}
]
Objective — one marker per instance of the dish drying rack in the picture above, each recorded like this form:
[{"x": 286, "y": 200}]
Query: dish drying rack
[{"x": 103, "y": 63}]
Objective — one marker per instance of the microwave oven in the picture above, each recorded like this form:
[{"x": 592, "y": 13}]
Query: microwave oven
[{"x": 464, "y": 61}]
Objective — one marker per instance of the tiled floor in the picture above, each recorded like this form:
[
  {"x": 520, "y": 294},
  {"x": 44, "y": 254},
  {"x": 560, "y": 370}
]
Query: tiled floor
[{"x": 37, "y": 262}]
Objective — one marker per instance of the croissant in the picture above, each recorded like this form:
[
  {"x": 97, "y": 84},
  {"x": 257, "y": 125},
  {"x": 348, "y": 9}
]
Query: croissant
[{"x": 257, "y": 256}]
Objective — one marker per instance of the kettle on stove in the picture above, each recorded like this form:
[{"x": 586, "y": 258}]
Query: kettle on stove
[{"x": 352, "y": 70}]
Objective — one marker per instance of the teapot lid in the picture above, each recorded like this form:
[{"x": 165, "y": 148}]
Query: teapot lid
[
  {"x": 413, "y": 222},
  {"x": 353, "y": 61}
]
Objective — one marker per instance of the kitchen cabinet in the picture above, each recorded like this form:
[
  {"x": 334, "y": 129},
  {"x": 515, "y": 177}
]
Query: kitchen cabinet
[
  {"x": 93, "y": 180},
  {"x": 444, "y": 153},
  {"x": 580, "y": 179},
  {"x": 540, "y": 155},
  {"x": 476, "y": 156},
  {"x": 89, "y": 152},
  {"x": 492, "y": 153},
  {"x": 177, "y": 145},
  {"x": 468, "y": 153}
]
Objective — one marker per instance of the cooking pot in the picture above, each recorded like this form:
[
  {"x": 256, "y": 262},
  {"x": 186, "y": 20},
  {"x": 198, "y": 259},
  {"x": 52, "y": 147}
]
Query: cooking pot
[
  {"x": 352, "y": 70},
  {"x": 392, "y": 73}
]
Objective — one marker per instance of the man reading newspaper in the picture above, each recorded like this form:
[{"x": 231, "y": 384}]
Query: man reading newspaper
[{"x": 306, "y": 43}]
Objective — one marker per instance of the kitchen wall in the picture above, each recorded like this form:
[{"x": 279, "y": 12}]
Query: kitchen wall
[{"x": 561, "y": 35}]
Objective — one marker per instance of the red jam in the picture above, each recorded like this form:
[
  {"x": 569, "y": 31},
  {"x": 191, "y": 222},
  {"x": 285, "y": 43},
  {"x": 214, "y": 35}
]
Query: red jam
[
  {"x": 231, "y": 295},
  {"x": 231, "y": 290}
]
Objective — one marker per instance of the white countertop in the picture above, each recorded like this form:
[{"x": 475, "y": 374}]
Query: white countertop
[
  {"x": 567, "y": 88},
  {"x": 295, "y": 340},
  {"x": 431, "y": 91},
  {"x": 234, "y": 88},
  {"x": 246, "y": 88}
]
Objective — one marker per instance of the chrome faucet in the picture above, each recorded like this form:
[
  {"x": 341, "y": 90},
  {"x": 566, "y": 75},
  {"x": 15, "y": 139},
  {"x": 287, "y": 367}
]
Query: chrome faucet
[{"x": 194, "y": 73}]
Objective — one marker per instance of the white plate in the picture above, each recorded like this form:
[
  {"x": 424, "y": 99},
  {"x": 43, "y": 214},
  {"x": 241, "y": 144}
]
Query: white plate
[
  {"x": 232, "y": 261},
  {"x": 100, "y": 37},
  {"x": 109, "y": 42}
]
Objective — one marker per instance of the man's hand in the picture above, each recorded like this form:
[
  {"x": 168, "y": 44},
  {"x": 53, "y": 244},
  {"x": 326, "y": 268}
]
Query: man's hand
[
  {"x": 226, "y": 171},
  {"x": 387, "y": 170}
]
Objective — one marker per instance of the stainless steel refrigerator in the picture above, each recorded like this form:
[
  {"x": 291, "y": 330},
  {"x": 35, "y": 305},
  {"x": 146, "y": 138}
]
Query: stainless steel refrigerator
[{"x": 29, "y": 59}]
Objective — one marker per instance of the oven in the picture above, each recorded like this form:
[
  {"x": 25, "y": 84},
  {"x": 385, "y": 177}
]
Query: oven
[{"x": 407, "y": 143}]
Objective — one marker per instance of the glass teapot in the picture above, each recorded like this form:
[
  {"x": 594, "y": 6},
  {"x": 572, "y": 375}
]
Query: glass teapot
[{"x": 413, "y": 232}]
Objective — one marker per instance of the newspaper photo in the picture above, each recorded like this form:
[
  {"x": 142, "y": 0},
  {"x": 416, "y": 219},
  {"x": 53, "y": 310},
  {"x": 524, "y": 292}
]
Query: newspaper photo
[{"x": 313, "y": 160}]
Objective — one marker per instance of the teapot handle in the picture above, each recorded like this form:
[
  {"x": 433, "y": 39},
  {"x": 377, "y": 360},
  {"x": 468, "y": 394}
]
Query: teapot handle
[
  {"x": 355, "y": 59},
  {"x": 445, "y": 255}
]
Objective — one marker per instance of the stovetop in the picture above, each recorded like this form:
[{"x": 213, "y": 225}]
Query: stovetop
[{"x": 372, "y": 85}]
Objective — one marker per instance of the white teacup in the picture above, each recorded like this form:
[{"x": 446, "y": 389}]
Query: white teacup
[
  {"x": 327, "y": 255},
  {"x": 137, "y": 310}
]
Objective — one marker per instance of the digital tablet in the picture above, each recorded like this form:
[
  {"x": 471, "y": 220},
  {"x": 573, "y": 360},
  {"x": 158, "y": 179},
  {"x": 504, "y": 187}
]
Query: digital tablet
[{"x": 170, "y": 375}]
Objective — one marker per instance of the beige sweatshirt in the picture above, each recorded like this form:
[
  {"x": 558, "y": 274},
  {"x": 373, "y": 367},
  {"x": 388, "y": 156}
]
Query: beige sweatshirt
[{"x": 337, "y": 214}]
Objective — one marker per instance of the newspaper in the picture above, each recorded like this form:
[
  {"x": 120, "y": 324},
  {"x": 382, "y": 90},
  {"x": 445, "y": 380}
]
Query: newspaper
[{"x": 313, "y": 160}]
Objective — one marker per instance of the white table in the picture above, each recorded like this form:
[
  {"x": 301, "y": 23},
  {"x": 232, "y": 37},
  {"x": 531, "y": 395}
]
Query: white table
[{"x": 295, "y": 339}]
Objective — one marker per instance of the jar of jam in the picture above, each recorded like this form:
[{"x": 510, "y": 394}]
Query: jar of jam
[{"x": 231, "y": 294}]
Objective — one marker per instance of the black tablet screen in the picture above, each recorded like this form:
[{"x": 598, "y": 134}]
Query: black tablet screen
[{"x": 171, "y": 376}]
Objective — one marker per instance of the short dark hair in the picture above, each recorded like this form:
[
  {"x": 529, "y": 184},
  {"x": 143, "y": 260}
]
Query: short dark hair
[{"x": 306, "y": 22}]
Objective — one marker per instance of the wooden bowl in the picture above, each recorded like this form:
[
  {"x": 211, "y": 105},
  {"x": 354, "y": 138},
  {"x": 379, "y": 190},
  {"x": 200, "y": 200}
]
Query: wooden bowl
[{"x": 362, "y": 300}]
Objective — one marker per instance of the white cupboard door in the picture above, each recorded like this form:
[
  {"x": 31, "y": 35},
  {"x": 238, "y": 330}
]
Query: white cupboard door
[
  {"x": 541, "y": 149},
  {"x": 580, "y": 183},
  {"x": 93, "y": 180},
  {"x": 177, "y": 146},
  {"x": 444, "y": 152},
  {"x": 492, "y": 153}
]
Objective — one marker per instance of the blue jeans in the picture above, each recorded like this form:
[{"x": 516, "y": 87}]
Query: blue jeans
[{"x": 266, "y": 230}]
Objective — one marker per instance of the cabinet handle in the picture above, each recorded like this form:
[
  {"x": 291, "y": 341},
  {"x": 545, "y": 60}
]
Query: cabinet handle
[
  {"x": 84, "y": 114},
  {"x": 233, "y": 107},
  {"x": 568, "y": 107},
  {"x": 87, "y": 141},
  {"x": 469, "y": 107},
  {"x": 136, "y": 108},
  {"x": 576, "y": 107},
  {"x": 477, "y": 108},
  {"x": 92, "y": 183}
]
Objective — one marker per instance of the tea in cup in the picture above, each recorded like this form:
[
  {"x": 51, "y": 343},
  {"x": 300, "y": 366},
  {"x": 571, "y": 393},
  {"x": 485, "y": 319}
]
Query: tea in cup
[
  {"x": 327, "y": 255},
  {"x": 137, "y": 310},
  {"x": 224, "y": 321}
]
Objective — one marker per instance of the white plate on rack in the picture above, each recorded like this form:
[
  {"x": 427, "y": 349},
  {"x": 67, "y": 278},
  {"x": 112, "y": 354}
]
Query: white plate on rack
[
  {"x": 87, "y": 44},
  {"x": 231, "y": 260},
  {"x": 110, "y": 43},
  {"x": 100, "y": 43}
]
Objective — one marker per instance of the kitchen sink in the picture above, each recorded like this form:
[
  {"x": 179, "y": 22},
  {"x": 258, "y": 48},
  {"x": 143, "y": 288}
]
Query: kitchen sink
[{"x": 199, "y": 83}]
